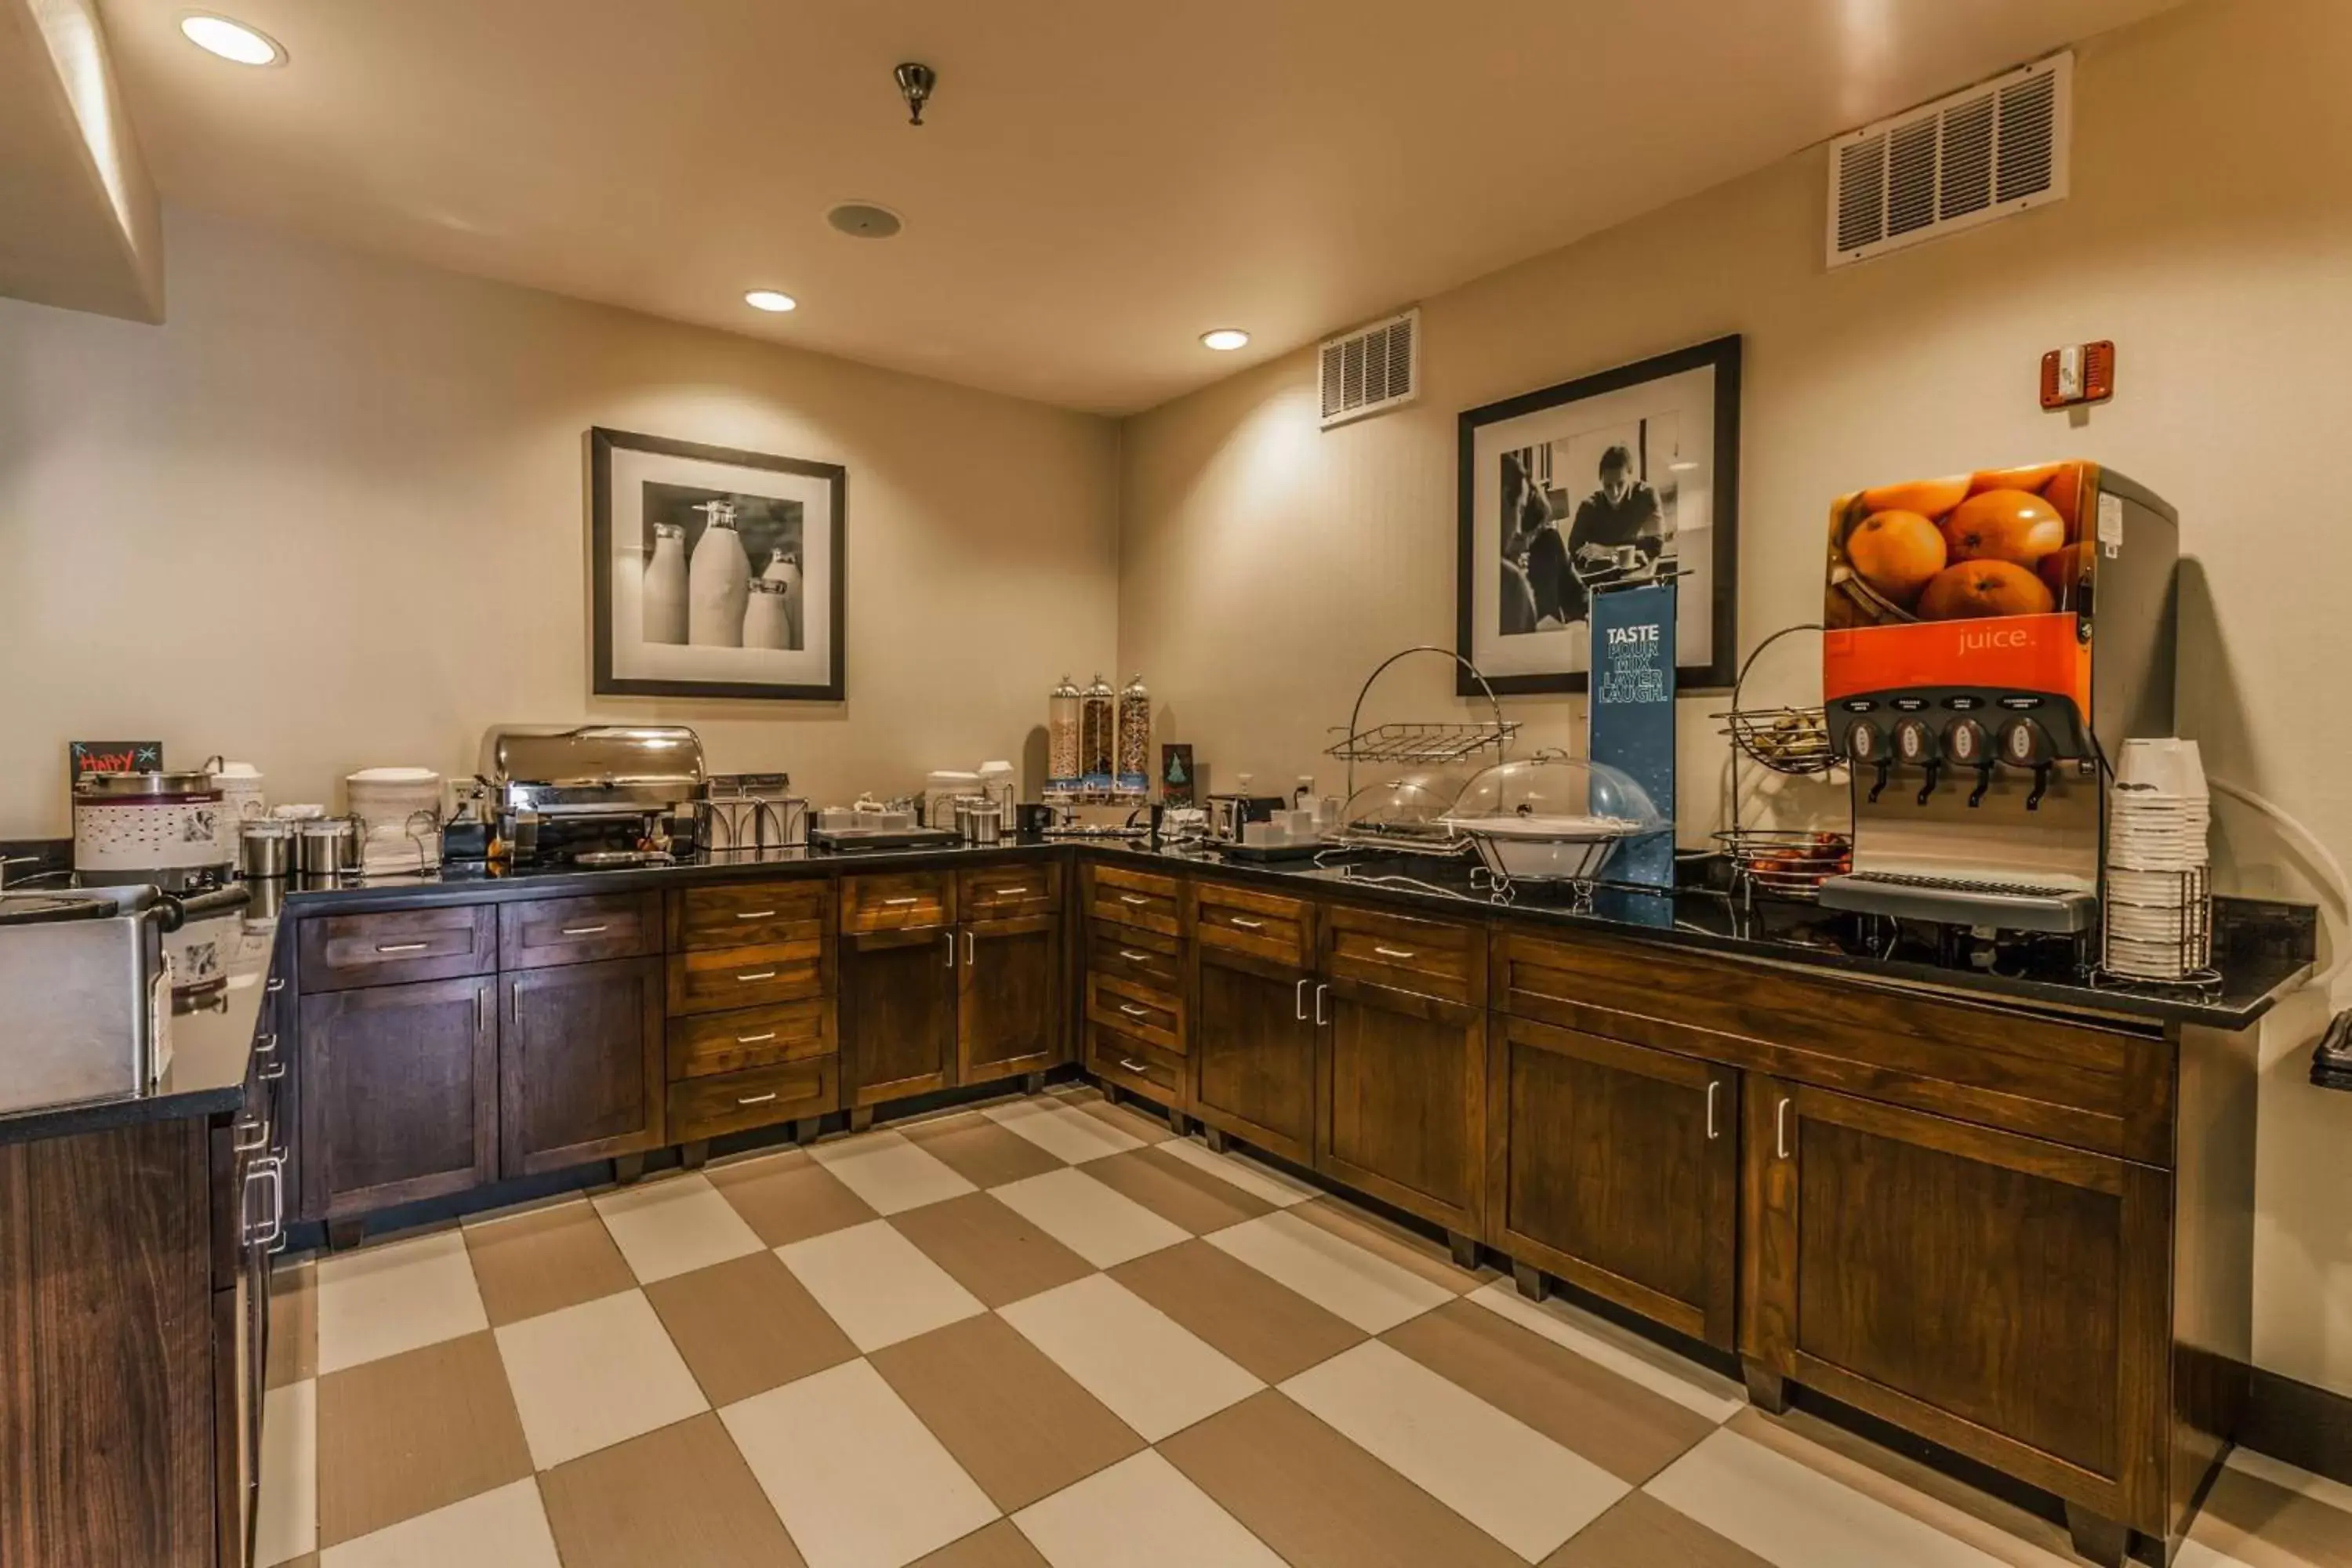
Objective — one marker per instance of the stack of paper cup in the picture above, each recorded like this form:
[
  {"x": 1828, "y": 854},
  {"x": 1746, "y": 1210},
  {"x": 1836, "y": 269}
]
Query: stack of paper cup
[{"x": 2158, "y": 896}]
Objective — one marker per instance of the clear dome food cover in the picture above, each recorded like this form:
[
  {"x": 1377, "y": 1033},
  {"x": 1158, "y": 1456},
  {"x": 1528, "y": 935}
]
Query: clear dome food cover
[
  {"x": 1553, "y": 816},
  {"x": 1412, "y": 803}
]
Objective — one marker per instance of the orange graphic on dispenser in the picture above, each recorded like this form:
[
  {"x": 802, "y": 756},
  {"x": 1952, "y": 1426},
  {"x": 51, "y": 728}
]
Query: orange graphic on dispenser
[
  {"x": 1994, "y": 544},
  {"x": 2009, "y": 653}
]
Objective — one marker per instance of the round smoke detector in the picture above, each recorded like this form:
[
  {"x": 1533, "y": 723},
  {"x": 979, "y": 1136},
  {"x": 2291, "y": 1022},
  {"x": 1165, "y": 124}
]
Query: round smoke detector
[{"x": 865, "y": 220}]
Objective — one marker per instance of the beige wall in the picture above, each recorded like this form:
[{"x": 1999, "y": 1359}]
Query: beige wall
[
  {"x": 1266, "y": 567},
  {"x": 332, "y": 515}
]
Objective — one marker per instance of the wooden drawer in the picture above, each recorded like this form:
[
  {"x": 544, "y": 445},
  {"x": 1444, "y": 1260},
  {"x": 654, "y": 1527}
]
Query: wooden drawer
[
  {"x": 899, "y": 901},
  {"x": 749, "y": 915},
  {"x": 1145, "y": 1014},
  {"x": 1133, "y": 1064},
  {"x": 338, "y": 951},
  {"x": 579, "y": 931},
  {"x": 703, "y": 1108},
  {"x": 1242, "y": 920},
  {"x": 1143, "y": 960},
  {"x": 731, "y": 978},
  {"x": 1143, "y": 899},
  {"x": 1006, "y": 892},
  {"x": 1433, "y": 958},
  {"x": 711, "y": 1043}
]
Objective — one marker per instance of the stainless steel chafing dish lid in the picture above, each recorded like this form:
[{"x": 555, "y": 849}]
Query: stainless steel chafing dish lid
[{"x": 593, "y": 764}]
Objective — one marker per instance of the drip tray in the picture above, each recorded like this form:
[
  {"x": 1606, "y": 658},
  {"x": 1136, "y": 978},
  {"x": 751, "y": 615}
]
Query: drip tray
[{"x": 1955, "y": 900}]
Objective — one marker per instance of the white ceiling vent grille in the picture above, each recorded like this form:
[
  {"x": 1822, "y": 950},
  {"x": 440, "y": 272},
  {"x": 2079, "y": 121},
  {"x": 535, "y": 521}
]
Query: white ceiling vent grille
[
  {"x": 1371, "y": 369},
  {"x": 1984, "y": 152}
]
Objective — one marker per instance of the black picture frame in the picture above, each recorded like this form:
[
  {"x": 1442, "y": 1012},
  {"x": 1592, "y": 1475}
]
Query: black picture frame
[
  {"x": 602, "y": 443},
  {"x": 1723, "y": 356}
]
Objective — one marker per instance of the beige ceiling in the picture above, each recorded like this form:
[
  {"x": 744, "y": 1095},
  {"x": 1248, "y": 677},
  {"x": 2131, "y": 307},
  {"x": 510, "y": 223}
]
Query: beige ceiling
[{"x": 1098, "y": 181}]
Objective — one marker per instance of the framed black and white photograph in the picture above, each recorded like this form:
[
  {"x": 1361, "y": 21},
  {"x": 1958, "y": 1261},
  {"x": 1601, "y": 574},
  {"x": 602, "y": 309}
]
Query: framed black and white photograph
[
  {"x": 1628, "y": 477},
  {"x": 716, "y": 572}
]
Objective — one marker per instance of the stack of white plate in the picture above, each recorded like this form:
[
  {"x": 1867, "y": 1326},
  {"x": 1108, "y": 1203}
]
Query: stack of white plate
[{"x": 2158, "y": 902}]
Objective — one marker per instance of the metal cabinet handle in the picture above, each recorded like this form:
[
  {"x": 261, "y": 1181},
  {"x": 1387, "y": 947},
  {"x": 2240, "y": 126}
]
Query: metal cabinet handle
[
  {"x": 1134, "y": 1011},
  {"x": 272, "y": 1235},
  {"x": 1320, "y": 992},
  {"x": 585, "y": 930},
  {"x": 402, "y": 946},
  {"x": 1012, "y": 892},
  {"x": 1132, "y": 956},
  {"x": 895, "y": 903},
  {"x": 755, "y": 974},
  {"x": 1396, "y": 953},
  {"x": 755, "y": 1039},
  {"x": 1133, "y": 1066},
  {"x": 1137, "y": 898},
  {"x": 951, "y": 936},
  {"x": 266, "y": 1045},
  {"x": 757, "y": 915},
  {"x": 481, "y": 1019},
  {"x": 273, "y": 988},
  {"x": 1299, "y": 1001},
  {"x": 756, "y": 1099},
  {"x": 1714, "y": 1087},
  {"x": 1780, "y": 1127},
  {"x": 968, "y": 947},
  {"x": 1246, "y": 924},
  {"x": 260, "y": 1127},
  {"x": 271, "y": 1073}
]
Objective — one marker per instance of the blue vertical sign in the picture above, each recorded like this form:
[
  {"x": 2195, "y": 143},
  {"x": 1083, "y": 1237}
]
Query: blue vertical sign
[{"x": 1631, "y": 720}]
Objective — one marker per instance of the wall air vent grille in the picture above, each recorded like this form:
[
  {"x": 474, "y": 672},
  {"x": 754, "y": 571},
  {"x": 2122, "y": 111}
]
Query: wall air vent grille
[
  {"x": 1982, "y": 154},
  {"x": 1371, "y": 369}
]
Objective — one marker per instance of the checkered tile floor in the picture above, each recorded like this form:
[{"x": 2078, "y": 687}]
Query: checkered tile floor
[{"x": 1044, "y": 1332}]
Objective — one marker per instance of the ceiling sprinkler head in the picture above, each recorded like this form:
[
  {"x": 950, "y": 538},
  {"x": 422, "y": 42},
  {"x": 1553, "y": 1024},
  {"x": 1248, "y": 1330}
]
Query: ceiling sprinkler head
[{"x": 914, "y": 83}]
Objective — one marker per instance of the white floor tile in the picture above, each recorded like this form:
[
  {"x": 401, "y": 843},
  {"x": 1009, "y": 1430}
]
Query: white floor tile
[
  {"x": 592, "y": 1375},
  {"x": 285, "y": 1522},
  {"x": 675, "y": 1226},
  {"x": 1060, "y": 1131},
  {"x": 858, "y": 1479},
  {"x": 878, "y": 1286},
  {"x": 1151, "y": 1372},
  {"x": 1502, "y": 1475},
  {"x": 1258, "y": 1181},
  {"x": 1331, "y": 1271},
  {"x": 1701, "y": 1390},
  {"x": 1793, "y": 1515},
  {"x": 1142, "y": 1512},
  {"x": 2279, "y": 1473},
  {"x": 890, "y": 1173},
  {"x": 380, "y": 1300},
  {"x": 1099, "y": 1225},
  {"x": 503, "y": 1529},
  {"x": 2195, "y": 1553}
]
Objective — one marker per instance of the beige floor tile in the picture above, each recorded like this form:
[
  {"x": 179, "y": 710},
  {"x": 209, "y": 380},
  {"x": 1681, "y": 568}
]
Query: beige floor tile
[
  {"x": 979, "y": 1151},
  {"x": 1502, "y": 1475},
  {"x": 1019, "y": 1426},
  {"x": 408, "y": 1434},
  {"x": 1181, "y": 1194},
  {"x": 1140, "y": 1513},
  {"x": 789, "y": 1197},
  {"x": 1099, "y": 1225},
  {"x": 2279, "y": 1473},
  {"x": 889, "y": 1172},
  {"x": 1788, "y": 1512},
  {"x": 1622, "y": 1427},
  {"x": 1152, "y": 1373},
  {"x": 674, "y": 1225},
  {"x": 380, "y": 1300},
  {"x": 293, "y": 1324},
  {"x": 1408, "y": 1249},
  {"x": 999, "y": 1546},
  {"x": 877, "y": 1285},
  {"x": 1127, "y": 1118},
  {"x": 1260, "y": 1181},
  {"x": 501, "y": 1529},
  {"x": 1369, "y": 1291},
  {"x": 746, "y": 1326},
  {"x": 995, "y": 1253},
  {"x": 678, "y": 1497},
  {"x": 286, "y": 1518},
  {"x": 1637, "y": 1360},
  {"x": 858, "y": 1480},
  {"x": 2265, "y": 1525},
  {"x": 543, "y": 1260},
  {"x": 1062, "y": 1130},
  {"x": 1269, "y": 1330},
  {"x": 1643, "y": 1532},
  {"x": 1317, "y": 1498},
  {"x": 592, "y": 1375}
]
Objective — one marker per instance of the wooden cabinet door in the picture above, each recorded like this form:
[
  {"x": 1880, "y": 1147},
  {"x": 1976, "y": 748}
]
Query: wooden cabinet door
[
  {"x": 580, "y": 1064},
  {"x": 1617, "y": 1168},
  {"x": 1404, "y": 1101},
  {"x": 897, "y": 1007},
  {"x": 1252, "y": 1050},
  {"x": 1995, "y": 1293},
  {"x": 1010, "y": 1000},
  {"x": 400, "y": 1093}
]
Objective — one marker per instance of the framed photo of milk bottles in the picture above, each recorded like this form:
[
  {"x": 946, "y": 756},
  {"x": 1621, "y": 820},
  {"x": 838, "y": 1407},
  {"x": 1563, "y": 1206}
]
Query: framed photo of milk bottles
[{"x": 718, "y": 573}]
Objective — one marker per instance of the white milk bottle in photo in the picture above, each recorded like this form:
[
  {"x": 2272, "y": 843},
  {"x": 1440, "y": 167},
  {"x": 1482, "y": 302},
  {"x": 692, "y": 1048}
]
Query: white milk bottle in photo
[
  {"x": 767, "y": 621},
  {"x": 664, "y": 600},
  {"x": 718, "y": 580},
  {"x": 785, "y": 573}
]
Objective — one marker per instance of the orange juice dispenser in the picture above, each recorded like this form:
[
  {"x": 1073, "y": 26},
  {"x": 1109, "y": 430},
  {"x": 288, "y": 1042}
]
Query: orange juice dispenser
[{"x": 1993, "y": 639}]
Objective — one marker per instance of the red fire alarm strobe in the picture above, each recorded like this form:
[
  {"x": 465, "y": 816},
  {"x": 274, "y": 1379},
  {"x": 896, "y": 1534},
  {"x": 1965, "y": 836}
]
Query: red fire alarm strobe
[{"x": 2079, "y": 372}]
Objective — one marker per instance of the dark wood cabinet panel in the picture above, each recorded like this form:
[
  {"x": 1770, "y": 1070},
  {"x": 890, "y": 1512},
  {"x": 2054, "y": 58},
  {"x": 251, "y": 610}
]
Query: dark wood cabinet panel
[
  {"x": 899, "y": 1013},
  {"x": 1138, "y": 1010},
  {"x": 701, "y": 1108},
  {"x": 1251, "y": 1049},
  {"x": 400, "y": 1095},
  {"x": 1007, "y": 892},
  {"x": 749, "y": 915},
  {"x": 1436, "y": 958},
  {"x": 1243, "y": 920},
  {"x": 1145, "y": 900},
  {"x": 580, "y": 1064},
  {"x": 1146, "y": 963},
  {"x": 721, "y": 979},
  {"x": 545, "y": 931},
  {"x": 710, "y": 1043},
  {"x": 1135, "y": 1065},
  {"x": 1009, "y": 998},
  {"x": 1404, "y": 1101},
  {"x": 897, "y": 900},
  {"x": 1617, "y": 1168},
  {"x": 398, "y": 946}
]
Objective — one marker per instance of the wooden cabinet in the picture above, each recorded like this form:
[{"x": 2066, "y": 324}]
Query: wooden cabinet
[
  {"x": 1252, "y": 1049},
  {"x": 398, "y": 945},
  {"x": 1403, "y": 1102},
  {"x": 900, "y": 993},
  {"x": 1010, "y": 997},
  {"x": 1616, "y": 1167},
  {"x": 547, "y": 932},
  {"x": 581, "y": 1069},
  {"x": 400, "y": 1095}
]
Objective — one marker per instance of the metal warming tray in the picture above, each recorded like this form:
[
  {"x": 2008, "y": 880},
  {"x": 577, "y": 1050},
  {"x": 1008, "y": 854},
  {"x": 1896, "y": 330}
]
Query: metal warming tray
[
  {"x": 83, "y": 1010},
  {"x": 593, "y": 770}
]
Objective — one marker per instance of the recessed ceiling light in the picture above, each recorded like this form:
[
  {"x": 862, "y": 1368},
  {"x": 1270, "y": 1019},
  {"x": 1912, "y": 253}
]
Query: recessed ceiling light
[
  {"x": 231, "y": 40},
  {"x": 768, "y": 299},
  {"x": 1224, "y": 340}
]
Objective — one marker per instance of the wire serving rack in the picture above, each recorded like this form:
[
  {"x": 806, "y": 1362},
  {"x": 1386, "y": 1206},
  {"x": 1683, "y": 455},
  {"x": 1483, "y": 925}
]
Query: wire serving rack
[
  {"x": 1785, "y": 738},
  {"x": 1423, "y": 744},
  {"x": 1785, "y": 863}
]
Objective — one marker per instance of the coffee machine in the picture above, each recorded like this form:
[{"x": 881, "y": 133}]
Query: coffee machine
[{"x": 1991, "y": 639}]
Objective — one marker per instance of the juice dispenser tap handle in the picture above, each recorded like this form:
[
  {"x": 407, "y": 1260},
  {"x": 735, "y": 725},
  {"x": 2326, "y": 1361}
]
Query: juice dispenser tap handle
[
  {"x": 1878, "y": 788},
  {"x": 1984, "y": 783},
  {"x": 1934, "y": 769},
  {"x": 2040, "y": 786}
]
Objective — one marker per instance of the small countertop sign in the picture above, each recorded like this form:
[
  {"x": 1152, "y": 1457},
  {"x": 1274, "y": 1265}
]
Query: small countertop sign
[
  {"x": 1630, "y": 721},
  {"x": 113, "y": 757}
]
